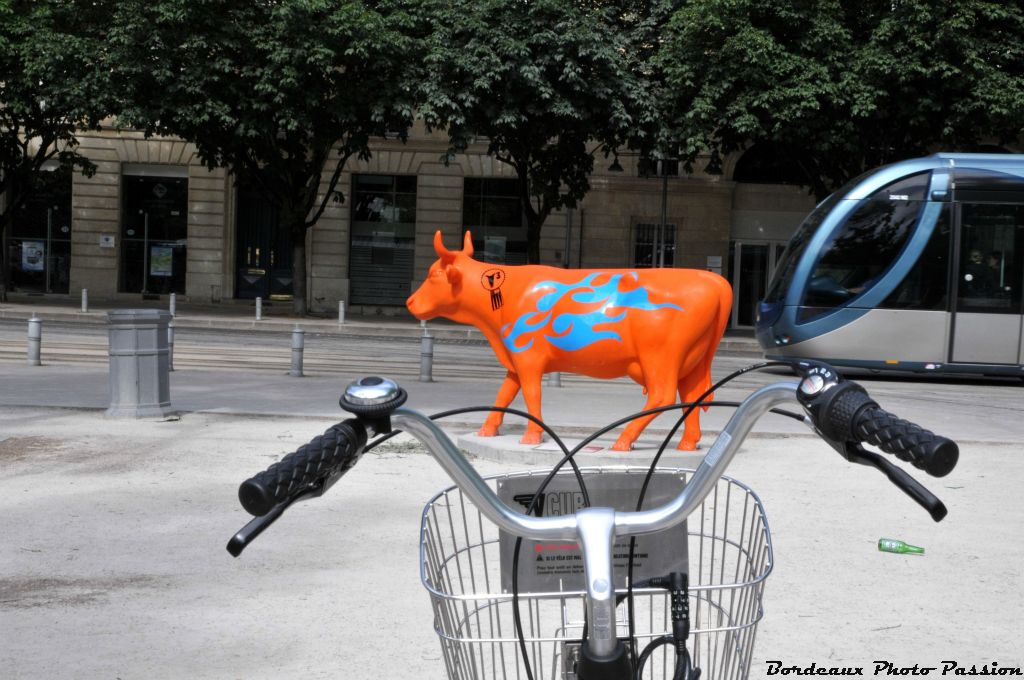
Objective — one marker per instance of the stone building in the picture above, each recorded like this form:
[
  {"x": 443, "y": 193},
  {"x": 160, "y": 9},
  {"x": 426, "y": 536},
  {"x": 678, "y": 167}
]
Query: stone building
[{"x": 153, "y": 220}]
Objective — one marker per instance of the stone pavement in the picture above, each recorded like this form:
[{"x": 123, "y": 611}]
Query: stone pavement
[{"x": 113, "y": 561}]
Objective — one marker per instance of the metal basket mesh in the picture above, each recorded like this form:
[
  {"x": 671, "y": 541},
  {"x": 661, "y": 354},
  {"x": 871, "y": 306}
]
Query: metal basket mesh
[{"x": 730, "y": 558}]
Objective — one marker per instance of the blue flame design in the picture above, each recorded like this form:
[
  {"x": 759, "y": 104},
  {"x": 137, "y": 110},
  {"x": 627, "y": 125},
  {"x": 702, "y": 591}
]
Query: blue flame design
[{"x": 573, "y": 331}]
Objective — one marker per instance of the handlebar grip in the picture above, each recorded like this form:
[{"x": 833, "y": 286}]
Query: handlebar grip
[
  {"x": 332, "y": 453},
  {"x": 923, "y": 449},
  {"x": 845, "y": 413}
]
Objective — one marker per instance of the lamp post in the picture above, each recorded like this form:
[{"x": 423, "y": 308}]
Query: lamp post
[{"x": 660, "y": 243}]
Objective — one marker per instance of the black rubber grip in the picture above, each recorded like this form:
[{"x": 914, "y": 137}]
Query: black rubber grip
[
  {"x": 923, "y": 449},
  {"x": 333, "y": 452}
]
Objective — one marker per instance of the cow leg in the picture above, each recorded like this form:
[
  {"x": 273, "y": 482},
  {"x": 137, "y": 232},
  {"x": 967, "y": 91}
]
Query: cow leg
[
  {"x": 530, "y": 383},
  {"x": 691, "y": 387},
  {"x": 506, "y": 393},
  {"x": 659, "y": 394}
]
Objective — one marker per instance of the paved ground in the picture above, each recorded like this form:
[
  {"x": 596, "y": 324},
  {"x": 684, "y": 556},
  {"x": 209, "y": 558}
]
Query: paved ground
[{"x": 112, "y": 560}]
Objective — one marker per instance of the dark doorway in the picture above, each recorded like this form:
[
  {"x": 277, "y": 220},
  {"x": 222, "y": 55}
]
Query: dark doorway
[
  {"x": 39, "y": 242},
  {"x": 154, "y": 235},
  {"x": 263, "y": 254}
]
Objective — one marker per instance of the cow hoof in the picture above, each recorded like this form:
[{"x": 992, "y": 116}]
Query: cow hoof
[
  {"x": 622, "y": 446},
  {"x": 531, "y": 438},
  {"x": 688, "y": 446},
  {"x": 487, "y": 432}
]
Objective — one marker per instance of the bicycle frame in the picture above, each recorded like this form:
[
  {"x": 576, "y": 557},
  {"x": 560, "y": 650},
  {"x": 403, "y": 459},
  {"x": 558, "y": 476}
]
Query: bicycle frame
[{"x": 597, "y": 528}]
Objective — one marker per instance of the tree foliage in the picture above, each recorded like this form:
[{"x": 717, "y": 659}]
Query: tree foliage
[
  {"x": 52, "y": 84},
  {"x": 273, "y": 91},
  {"x": 840, "y": 87},
  {"x": 546, "y": 83}
]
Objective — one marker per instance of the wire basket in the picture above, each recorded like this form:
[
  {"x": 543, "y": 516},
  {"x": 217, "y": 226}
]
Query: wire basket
[{"x": 730, "y": 557}]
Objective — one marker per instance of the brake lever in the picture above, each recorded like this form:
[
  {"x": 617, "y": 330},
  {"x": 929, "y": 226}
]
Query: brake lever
[
  {"x": 855, "y": 453},
  {"x": 247, "y": 534}
]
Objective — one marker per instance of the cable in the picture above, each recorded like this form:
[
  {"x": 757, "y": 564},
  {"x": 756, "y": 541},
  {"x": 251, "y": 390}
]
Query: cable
[
  {"x": 648, "y": 650},
  {"x": 630, "y": 611},
  {"x": 569, "y": 457}
]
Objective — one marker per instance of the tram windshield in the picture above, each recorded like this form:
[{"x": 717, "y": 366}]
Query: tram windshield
[
  {"x": 866, "y": 244},
  {"x": 798, "y": 243}
]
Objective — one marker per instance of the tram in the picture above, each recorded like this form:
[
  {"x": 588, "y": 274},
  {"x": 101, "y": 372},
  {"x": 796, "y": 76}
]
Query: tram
[{"x": 915, "y": 266}]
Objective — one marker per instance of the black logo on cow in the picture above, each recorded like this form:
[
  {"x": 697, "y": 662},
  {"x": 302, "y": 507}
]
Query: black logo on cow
[{"x": 491, "y": 281}]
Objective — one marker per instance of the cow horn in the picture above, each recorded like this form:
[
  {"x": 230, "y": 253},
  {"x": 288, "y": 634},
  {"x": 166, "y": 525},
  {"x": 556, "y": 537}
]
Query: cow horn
[
  {"x": 467, "y": 244},
  {"x": 446, "y": 255}
]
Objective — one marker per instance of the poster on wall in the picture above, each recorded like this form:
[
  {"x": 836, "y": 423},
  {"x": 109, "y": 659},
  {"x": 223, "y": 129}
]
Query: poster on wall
[
  {"x": 33, "y": 256},
  {"x": 161, "y": 260}
]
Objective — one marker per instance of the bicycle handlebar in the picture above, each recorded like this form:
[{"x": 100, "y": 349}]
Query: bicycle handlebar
[
  {"x": 843, "y": 412},
  {"x": 839, "y": 410},
  {"x": 326, "y": 457}
]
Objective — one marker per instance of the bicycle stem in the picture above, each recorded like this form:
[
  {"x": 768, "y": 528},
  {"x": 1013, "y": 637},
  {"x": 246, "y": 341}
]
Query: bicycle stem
[{"x": 596, "y": 528}]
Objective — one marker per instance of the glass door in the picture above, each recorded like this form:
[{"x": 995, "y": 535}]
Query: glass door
[
  {"x": 39, "y": 246},
  {"x": 383, "y": 238},
  {"x": 752, "y": 267},
  {"x": 154, "y": 235},
  {"x": 990, "y": 276}
]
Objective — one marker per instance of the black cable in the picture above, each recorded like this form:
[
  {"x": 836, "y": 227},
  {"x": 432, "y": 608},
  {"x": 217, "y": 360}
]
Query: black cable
[
  {"x": 569, "y": 457},
  {"x": 630, "y": 612},
  {"x": 517, "y": 620},
  {"x": 648, "y": 650}
]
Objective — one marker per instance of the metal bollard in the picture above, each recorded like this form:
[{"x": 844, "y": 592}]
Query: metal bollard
[
  {"x": 174, "y": 303},
  {"x": 35, "y": 340},
  {"x": 259, "y": 308},
  {"x": 426, "y": 357},
  {"x": 555, "y": 379},
  {"x": 170, "y": 344},
  {"x": 85, "y": 299},
  {"x": 341, "y": 311},
  {"x": 298, "y": 344}
]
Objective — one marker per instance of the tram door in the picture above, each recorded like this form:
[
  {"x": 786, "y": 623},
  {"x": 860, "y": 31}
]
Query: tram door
[{"x": 987, "y": 323}]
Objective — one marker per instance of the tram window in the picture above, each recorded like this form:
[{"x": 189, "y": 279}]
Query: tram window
[
  {"x": 991, "y": 258},
  {"x": 866, "y": 244},
  {"x": 927, "y": 284},
  {"x": 796, "y": 246},
  {"x": 970, "y": 179}
]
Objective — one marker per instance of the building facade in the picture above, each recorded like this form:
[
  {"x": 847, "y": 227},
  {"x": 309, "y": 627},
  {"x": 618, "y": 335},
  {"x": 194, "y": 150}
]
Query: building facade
[{"x": 152, "y": 220}]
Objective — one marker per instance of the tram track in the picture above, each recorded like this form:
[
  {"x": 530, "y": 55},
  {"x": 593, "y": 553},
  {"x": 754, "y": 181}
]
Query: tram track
[{"x": 454, "y": 366}]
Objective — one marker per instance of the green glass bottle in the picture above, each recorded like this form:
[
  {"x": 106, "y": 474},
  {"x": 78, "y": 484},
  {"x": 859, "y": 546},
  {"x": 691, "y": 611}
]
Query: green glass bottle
[{"x": 894, "y": 546}]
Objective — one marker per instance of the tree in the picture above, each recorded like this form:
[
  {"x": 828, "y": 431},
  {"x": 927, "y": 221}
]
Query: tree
[
  {"x": 51, "y": 86},
  {"x": 842, "y": 87},
  {"x": 547, "y": 83},
  {"x": 273, "y": 91}
]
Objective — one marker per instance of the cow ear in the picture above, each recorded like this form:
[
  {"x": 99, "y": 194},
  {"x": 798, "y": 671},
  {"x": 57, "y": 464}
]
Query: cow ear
[
  {"x": 446, "y": 255},
  {"x": 454, "y": 275},
  {"x": 467, "y": 244}
]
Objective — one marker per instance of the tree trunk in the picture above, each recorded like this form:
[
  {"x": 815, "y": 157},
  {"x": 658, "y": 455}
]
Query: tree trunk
[
  {"x": 3, "y": 267},
  {"x": 533, "y": 241},
  {"x": 5, "y": 213}
]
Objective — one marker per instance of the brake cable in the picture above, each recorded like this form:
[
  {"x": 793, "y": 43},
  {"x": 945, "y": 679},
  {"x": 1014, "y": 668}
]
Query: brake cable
[{"x": 569, "y": 457}]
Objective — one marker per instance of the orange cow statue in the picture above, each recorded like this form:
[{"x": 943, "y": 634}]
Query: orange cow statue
[{"x": 660, "y": 327}]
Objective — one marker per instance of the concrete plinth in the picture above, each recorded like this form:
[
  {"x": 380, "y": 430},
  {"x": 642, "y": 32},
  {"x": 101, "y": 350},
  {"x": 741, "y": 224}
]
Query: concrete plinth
[{"x": 507, "y": 449}]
